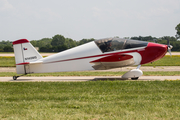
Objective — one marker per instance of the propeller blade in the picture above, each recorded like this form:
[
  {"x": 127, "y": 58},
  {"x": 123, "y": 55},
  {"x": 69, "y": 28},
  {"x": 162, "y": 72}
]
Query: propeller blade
[
  {"x": 169, "y": 50},
  {"x": 168, "y": 42}
]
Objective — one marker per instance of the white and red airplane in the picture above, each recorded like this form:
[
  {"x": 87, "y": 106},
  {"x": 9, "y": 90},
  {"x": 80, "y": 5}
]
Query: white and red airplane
[{"x": 100, "y": 54}]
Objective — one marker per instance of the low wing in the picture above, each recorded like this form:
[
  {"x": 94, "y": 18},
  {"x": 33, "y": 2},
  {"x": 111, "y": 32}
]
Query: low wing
[{"x": 113, "y": 61}]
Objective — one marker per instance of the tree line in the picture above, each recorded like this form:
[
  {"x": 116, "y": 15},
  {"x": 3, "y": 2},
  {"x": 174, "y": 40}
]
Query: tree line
[{"x": 59, "y": 43}]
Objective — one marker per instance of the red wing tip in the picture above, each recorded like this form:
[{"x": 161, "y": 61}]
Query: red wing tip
[
  {"x": 20, "y": 41},
  {"x": 23, "y": 63}
]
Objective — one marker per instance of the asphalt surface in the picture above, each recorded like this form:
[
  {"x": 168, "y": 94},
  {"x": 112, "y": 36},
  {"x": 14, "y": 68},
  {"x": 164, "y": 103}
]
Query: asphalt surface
[{"x": 81, "y": 79}]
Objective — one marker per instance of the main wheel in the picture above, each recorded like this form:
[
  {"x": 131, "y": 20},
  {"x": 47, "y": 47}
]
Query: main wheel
[{"x": 134, "y": 78}]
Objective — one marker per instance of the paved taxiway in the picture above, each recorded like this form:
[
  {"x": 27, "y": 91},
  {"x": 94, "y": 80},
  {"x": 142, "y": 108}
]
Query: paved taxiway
[{"x": 84, "y": 78}]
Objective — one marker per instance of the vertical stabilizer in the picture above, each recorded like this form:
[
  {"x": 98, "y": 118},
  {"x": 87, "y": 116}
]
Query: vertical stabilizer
[{"x": 24, "y": 53}]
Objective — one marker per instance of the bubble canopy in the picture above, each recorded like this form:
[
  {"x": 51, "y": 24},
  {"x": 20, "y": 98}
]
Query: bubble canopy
[{"x": 113, "y": 44}]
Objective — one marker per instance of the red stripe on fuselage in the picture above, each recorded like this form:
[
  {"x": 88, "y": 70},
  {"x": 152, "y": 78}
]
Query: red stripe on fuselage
[
  {"x": 109, "y": 54},
  {"x": 113, "y": 58}
]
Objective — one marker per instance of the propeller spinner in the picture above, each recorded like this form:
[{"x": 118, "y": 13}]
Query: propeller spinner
[{"x": 169, "y": 47}]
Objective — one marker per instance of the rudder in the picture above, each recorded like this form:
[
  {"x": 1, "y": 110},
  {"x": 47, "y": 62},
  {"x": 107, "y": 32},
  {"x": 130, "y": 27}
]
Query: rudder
[{"x": 24, "y": 53}]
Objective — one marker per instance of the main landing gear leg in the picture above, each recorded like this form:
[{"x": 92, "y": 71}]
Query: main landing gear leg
[{"x": 15, "y": 77}]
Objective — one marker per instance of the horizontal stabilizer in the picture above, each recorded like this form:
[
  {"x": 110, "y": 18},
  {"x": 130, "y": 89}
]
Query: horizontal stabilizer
[{"x": 25, "y": 63}]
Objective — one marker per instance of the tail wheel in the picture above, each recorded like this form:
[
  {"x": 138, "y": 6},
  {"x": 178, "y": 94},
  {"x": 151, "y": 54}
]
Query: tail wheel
[{"x": 15, "y": 77}]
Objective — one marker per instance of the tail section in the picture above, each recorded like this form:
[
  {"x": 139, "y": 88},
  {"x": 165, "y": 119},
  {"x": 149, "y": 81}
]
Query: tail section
[{"x": 24, "y": 53}]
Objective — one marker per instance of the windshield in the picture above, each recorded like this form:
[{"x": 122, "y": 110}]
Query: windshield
[{"x": 113, "y": 44}]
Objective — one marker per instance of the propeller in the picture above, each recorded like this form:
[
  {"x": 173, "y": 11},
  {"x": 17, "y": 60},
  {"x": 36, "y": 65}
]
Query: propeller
[{"x": 169, "y": 47}]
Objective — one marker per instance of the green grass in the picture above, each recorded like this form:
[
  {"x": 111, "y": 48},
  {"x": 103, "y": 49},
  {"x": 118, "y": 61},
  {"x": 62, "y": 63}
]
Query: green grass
[
  {"x": 166, "y": 61},
  {"x": 94, "y": 73},
  {"x": 161, "y": 73},
  {"x": 7, "y": 61},
  {"x": 92, "y": 100},
  {"x": 6, "y": 52}
]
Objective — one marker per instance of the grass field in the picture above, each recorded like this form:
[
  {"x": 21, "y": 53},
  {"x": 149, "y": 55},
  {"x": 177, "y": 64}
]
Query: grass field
[
  {"x": 6, "y": 52},
  {"x": 94, "y": 73},
  {"x": 7, "y": 61},
  {"x": 90, "y": 100},
  {"x": 166, "y": 61}
]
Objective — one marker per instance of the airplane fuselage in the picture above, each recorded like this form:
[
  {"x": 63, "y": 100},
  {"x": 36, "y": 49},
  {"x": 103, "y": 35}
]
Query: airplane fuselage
[{"x": 96, "y": 55}]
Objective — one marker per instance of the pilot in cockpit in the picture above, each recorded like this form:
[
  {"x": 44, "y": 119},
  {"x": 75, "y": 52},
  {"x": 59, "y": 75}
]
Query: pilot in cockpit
[
  {"x": 109, "y": 44},
  {"x": 106, "y": 47}
]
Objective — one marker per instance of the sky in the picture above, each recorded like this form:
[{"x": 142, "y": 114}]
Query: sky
[{"x": 78, "y": 19}]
